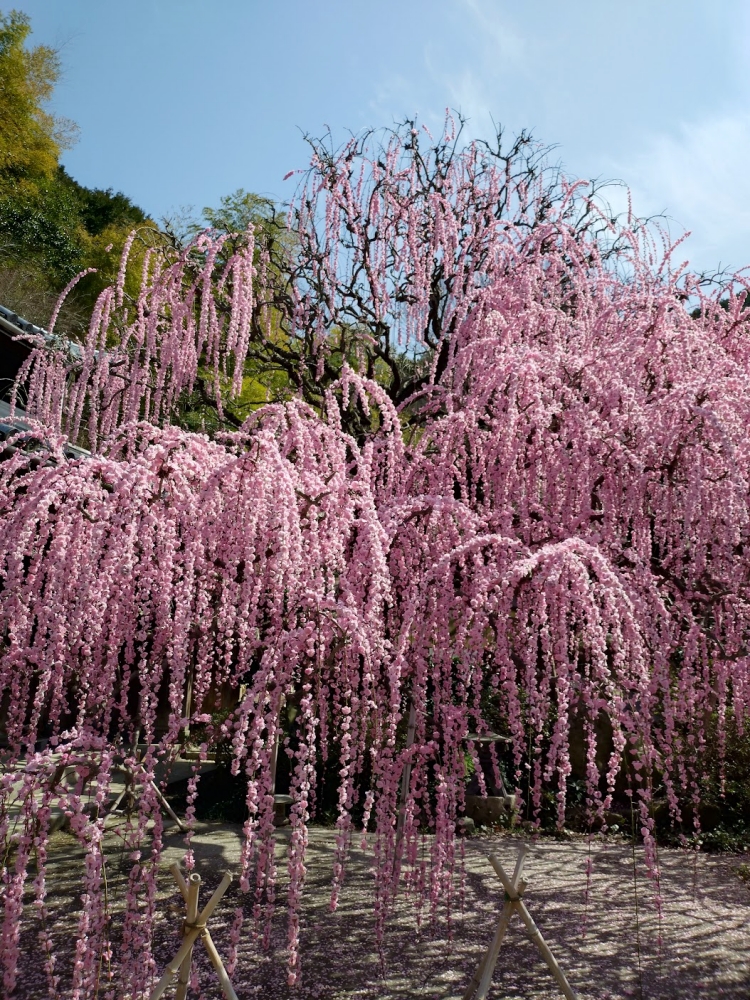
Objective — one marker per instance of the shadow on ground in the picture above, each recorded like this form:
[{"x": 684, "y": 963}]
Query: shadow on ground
[{"x": 704, "y": 950}]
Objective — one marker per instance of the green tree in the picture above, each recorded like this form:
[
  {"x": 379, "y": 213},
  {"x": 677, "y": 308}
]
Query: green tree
[
  {"x": 51, "y": 226},
  {"x": 241, "y": 209},
  {"x": 31, "y": 138},
  {"x": 264, "y": 378}
]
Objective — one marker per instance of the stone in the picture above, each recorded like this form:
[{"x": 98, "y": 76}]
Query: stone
[{"x": 486, "y": 810}]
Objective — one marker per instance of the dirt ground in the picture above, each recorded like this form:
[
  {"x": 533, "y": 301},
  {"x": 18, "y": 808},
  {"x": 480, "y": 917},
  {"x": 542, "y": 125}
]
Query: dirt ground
[{"x": 705, "y": 950}]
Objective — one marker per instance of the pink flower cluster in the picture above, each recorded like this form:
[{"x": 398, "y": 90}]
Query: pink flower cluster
[{"x": 139, "y": 356}]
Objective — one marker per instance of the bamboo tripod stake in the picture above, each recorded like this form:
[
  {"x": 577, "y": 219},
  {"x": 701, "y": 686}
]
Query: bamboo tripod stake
[
  {"x": 195, "y": 927},
  {"x": 514, "y": 890},
  {"x": 130, "y": 782}
]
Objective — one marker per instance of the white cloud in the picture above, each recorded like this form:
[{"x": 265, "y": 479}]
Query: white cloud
[
  {"x": 497, "y": 60},
  {"x": 509, "y": 49},
  {"x": 700, "y": 178},
  {"x": 483, "y": 57}
]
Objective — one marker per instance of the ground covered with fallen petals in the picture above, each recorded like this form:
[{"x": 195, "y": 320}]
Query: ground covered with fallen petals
[{"x": 705, "y": 949}]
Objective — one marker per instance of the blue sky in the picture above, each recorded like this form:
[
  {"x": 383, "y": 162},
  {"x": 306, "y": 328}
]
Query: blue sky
[{"x": 182, "y": 101}]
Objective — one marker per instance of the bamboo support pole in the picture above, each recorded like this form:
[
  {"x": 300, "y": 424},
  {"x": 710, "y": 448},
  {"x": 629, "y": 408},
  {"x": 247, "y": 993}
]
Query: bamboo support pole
[
  {"x": 523, "y": 853},
  {"x": 208, "y": 943},
  {"x": 195, "y": 927},
  {"x": 193, "y": 889},
  {"x": 405, "y": 778},
  {"x": 167, "y": 808},
  {"x": 508, "y": 884},
  {"x": 174, "y": 966},
  {"x": 181, "y": 883},
  {"x": 541, "y": 944},
  {"x": 275, "y": 752},
  {"x": 514, "y": 888},
  {"x": 483, "y": 976},
  {"x": 118, "y": 800},
  {"x": 274, "y": 763},
  {"x": 221, "y": 972}
]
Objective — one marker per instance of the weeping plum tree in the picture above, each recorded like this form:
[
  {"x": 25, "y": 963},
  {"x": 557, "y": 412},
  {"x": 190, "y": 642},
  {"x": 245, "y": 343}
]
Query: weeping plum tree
[
  {"x": 386, "y": 247},
  {"x": 548, "y": 519}
]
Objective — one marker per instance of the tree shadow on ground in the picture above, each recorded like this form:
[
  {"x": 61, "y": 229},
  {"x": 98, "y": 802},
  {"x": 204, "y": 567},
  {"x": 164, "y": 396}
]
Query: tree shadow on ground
[{"x": 704, "y": 947}]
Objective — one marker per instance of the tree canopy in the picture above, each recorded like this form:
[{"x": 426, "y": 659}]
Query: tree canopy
[
  {"x": 546, "y": 522},
  {"x": 384, "y": 249}
]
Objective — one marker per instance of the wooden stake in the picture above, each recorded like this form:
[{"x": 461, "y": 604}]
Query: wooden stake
[
  {"x": 483, "y": 976},
  {"x": 130, "y": 783},
  {"x": 167, "y": 808},
  {"x": 405, "y": 779},
  {"x": 193, "y": 890},
  {"x": 514, "y": 888},
  {"x": 549, "y": 958},
  {"x": 221, "y": 972},
  {"x": 195, "y": 927}
]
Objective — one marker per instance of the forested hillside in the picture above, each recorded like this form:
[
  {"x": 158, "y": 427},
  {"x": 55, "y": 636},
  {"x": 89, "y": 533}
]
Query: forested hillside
[{"x": 51, "y": 227}]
